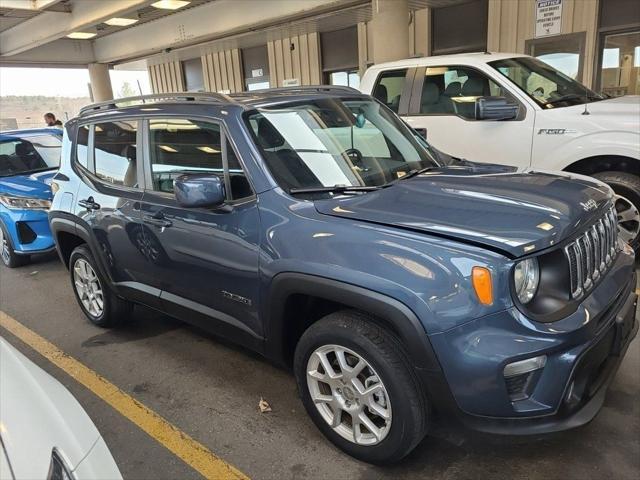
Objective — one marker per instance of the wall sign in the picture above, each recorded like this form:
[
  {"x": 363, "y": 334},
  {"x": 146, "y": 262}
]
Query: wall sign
[
  {"x": 257, "y": 73},
  {"x": 548, "y": 18},
  {"x": 290, "y": 82}
]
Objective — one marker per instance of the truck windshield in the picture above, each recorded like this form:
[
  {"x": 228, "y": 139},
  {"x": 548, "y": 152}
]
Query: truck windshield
[
  {"x": 323, "y": 143},
  {"x": 19, "y": 156},
  {"x": 547, "y": 86}
]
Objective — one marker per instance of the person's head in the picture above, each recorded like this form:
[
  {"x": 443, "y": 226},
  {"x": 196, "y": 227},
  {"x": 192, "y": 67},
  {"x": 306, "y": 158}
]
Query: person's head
[{"x": 50, "y": 119}]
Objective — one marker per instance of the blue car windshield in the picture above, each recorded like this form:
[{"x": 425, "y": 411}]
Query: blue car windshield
[
  {"x": 329, "y": 142},
  {"x": 19, "y": 156}
]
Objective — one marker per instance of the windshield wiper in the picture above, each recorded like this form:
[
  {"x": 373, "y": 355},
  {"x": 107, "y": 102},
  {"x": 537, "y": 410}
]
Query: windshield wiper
[
  {"x": 336, "y": 189},
  {"x": 571, "y": 96},
  {"x": 413, "y": 173}
]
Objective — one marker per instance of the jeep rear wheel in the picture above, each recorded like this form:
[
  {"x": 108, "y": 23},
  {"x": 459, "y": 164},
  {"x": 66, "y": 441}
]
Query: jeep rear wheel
[
  {"x": 627, "y": 203},
  {"x": 359, "y": 388}
]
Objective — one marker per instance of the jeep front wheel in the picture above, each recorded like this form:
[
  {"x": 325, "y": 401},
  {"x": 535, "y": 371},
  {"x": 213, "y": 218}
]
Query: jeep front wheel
[{"x": 359, "y": 388}]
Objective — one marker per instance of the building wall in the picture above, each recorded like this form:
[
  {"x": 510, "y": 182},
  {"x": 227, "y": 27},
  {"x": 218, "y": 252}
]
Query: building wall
[
  {"x": 166, "y": 77},
  {"x": 510, "y": 24},
  {"x": 295, "y": 56},
  {"x": 223, "y": 71}
]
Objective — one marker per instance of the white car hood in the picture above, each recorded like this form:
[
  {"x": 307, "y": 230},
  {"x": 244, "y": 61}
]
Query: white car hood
[
  {"x": 612, "y": 114},
  {"x": 37, "y": 413}
]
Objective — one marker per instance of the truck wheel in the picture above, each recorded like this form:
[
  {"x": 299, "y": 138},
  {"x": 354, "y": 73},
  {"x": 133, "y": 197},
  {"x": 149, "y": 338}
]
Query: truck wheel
[
  {"x": 9, "y": 257},
  {"x": 100, "y": 305},
  {"x": 627, "y": 189},
  {"x": 359, "y": 388}
]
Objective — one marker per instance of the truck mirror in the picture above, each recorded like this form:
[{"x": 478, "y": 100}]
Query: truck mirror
[{"x": 495, "y": 108}]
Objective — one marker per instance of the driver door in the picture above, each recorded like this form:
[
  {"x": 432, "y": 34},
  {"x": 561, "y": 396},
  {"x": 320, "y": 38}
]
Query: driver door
[{"x": 443, "y": 102}]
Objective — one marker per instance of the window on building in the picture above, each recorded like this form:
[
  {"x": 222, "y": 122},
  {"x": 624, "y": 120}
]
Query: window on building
[
  {"x": 114, "y": 152},
  {"x": 82, "y": 145},
  {"x": 340, "y": 57},
  {"x": 389, "y": 87},
  {"x": 459, "y": 28},
  {"x": 563, "y": 52},
  {"x": 255, "y": 65},
  {"x": 453, "y": 91},
  {"x": 193, "y": 75},
  {"x": 618, "y": 70},
  {"x": 181, "y": 146}
]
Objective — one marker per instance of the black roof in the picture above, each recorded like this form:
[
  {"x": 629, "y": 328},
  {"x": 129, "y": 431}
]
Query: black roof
[{"x": 247, "y": 100}]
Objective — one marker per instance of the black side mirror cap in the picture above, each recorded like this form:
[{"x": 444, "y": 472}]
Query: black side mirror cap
[
  {"x": 495, "y": 108},
  {"x": 199, "y": 190}
]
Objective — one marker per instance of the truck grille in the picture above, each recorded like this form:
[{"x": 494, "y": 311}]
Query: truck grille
[{"x": 591, "y": 254}]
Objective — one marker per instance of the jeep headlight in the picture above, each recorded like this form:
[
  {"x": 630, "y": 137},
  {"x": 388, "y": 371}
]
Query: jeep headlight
[
  {"x": 526, "y": 277},
  {"x": 24, "y": 203}
]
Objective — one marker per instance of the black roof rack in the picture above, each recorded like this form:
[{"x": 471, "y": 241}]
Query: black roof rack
[
  {"x": 299, "y": 89},
  {"x": 157, "y": 98}
]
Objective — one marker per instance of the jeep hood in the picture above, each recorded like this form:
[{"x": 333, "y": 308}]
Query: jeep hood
[
  {"x": 34, "y": 185},
  {"x": 513, "y": 213}
]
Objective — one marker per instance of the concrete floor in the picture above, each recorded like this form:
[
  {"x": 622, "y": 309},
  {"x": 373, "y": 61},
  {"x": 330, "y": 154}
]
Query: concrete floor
[{"x": 210, "y": 390}]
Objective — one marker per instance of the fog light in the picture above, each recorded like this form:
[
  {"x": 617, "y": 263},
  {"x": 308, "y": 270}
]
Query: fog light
[{"x": 525, "y": 366}]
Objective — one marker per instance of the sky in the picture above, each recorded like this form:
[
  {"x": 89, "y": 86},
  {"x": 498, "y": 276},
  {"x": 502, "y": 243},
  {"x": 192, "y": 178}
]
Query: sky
[{"x": 64, "y": 82}]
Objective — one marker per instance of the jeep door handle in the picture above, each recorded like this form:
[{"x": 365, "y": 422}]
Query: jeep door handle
[
  {"x": 157, "y": 219},
  {"x": 89, "y": 204}
]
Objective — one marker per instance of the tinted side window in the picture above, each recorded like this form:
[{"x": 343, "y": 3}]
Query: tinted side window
[
  {"x": 454, "y": 90},
  {"x": 82, "y": 145},
  {"x": 181, "y": 146},
  {"x": 388, "y": 88},
  {"x": 115, "y": 153}
]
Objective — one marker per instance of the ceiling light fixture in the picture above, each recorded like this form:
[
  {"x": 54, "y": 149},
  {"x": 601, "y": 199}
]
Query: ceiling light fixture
[
  {"x": 121, "y": 22},
  {"x": 81, "y": 35},
  {"x": 170, "y": 4}
]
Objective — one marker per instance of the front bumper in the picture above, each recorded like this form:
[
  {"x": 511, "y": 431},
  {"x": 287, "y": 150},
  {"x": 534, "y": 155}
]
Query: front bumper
[
  {"x": 29, "y": 230},
  {"x": 583, "y": 353}
]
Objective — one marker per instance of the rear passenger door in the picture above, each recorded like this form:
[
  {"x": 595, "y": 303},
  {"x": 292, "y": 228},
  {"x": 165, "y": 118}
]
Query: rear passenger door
[
  {"x": 108, "y": 200},
  {"x": 204, "y": 260},
  {"x": 443, "y": 102}
]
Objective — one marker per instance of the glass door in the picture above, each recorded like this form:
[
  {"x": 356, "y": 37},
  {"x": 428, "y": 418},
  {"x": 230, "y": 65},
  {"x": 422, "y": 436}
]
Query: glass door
[{"x": 620, "y": 64}]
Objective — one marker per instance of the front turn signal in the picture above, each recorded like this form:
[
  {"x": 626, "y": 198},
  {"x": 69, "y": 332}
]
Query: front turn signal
[{"x": 481, "y": 279}]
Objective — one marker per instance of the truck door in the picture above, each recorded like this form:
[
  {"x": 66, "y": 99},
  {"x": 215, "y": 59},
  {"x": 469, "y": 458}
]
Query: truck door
[{"x": 443, "y": 102}]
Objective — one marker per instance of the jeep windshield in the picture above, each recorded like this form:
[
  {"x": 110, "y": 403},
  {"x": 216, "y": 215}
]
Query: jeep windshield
[
  {"x": 20, "y": 156},
  {"x": 334, "y": 145},
  {"x": 547, "y": 86}
]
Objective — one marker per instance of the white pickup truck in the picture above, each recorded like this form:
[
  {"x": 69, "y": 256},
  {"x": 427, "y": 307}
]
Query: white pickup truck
[{"x": 516, "y": 110}]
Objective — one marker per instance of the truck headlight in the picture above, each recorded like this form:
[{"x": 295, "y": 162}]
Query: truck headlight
[
  {"x": 526, "y": 277},
  {"x": 24, "y": 203}
]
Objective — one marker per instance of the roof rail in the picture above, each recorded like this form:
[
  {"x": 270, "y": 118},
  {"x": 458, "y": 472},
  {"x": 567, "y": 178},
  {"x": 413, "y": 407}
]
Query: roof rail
[
  {"x": 302, "y": 89},
  {"x": 156, "y": 98}
]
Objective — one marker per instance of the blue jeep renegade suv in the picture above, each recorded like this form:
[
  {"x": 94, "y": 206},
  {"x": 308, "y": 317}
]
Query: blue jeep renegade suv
[{"x": 311, "y": 225}]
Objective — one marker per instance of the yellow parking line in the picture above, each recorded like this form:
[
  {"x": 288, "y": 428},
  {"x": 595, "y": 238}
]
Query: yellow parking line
[{"x": 193, "y": 453}]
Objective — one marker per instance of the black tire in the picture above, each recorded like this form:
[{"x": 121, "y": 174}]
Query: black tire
[
  {"x": 626, "y": 185},
  {"x": 7, "y": 253},
  {"x": 115, "y": 310},
  {"x": 384, "y": 353}
]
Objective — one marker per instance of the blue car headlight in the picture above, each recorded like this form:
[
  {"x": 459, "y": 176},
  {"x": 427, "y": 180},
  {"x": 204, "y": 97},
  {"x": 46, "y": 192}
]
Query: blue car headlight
[{"x": 24, "y": 203}]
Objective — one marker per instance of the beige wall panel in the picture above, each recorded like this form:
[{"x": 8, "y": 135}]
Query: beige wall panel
[
  {"x": 277, "y": 45},
  {"x": 217, "y": 71},
  {"x": 237, "y": 70},
  {"x": 205, "y": 72},
  {"x": 508, "y": 26},
  {"x": 314, "y": 59},
  {"x": 493, "y": 25},
  {"x": 286, "y": 55},
  {"x": 305, "y": 70},
  {"x": 363, "y": 48},
  {"x": 295, "y": 59},
  {"x": 273, "y": 74},
  {"x": 152, "y": 78},
  {"x": 422, "y": 39},
  {"x": 163, "y": 78},
  {"x": 173, "y": 76},
  {"x": 231, "y": 78}
]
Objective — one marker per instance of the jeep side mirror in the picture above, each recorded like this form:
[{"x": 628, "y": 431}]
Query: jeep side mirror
[
  {"x": 199, "y": 191},
  {"x": 495, "y": 108}
]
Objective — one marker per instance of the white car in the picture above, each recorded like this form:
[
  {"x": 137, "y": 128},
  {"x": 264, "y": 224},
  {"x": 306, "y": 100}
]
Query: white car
[
  {"x": 515, "y": 110},
  {"x": 44, "y": 432}
]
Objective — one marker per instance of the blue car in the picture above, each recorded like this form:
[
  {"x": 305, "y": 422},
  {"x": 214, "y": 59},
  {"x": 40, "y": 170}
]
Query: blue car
[
  {"x": 313, "y": 227},
  {"x": 28, "y": 161}
]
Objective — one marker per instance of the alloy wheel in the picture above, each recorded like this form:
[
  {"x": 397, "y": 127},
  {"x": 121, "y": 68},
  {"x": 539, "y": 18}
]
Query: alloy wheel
[
  {"x": 628, "y": 218},
  {"x": 88, "y": 288},
  {"x": 4, "y": 248},
  {"x": 349, "y": 394}
]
